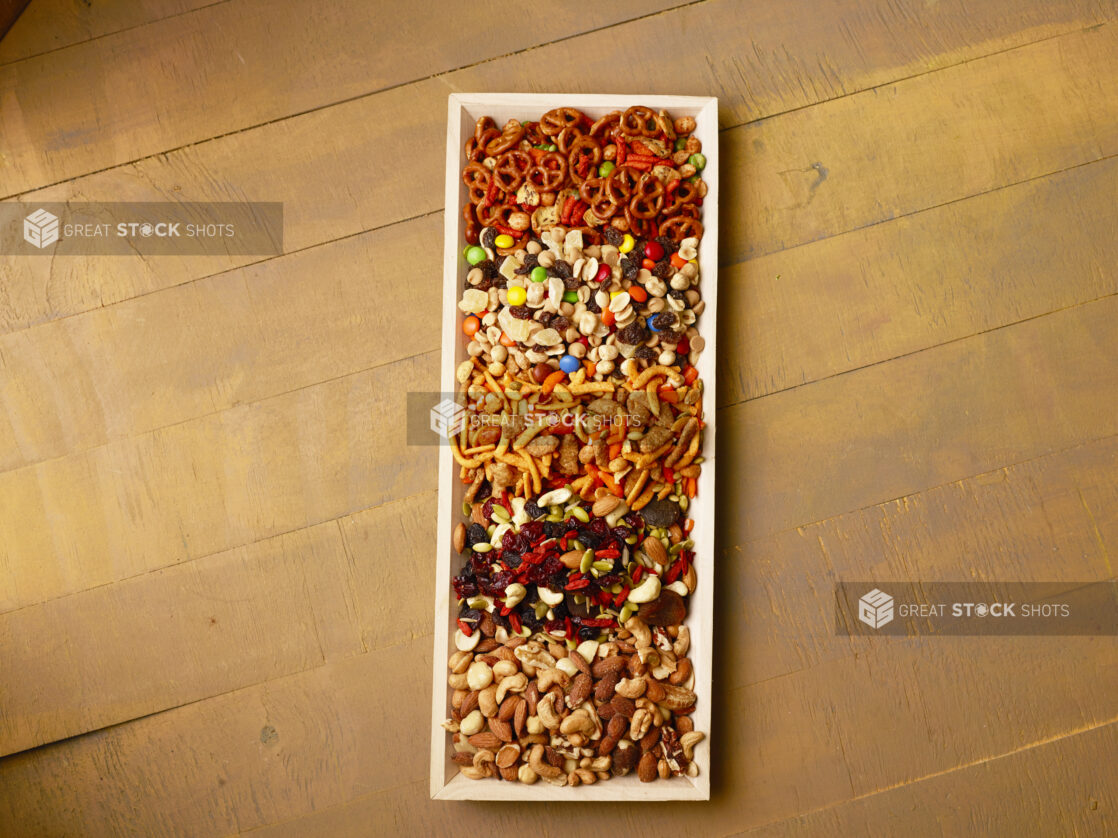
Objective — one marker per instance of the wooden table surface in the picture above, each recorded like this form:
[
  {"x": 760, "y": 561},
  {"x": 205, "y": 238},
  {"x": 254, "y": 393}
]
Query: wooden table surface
[{"x": 216, "y": 551}]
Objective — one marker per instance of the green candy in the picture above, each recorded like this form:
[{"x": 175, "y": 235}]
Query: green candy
[
  {"x": 570, "y": 296},
  {"x": 697, "y": 160},
  {"x": 475, "y": 254},
  {"x": 539, "y": 274},
  {"x": 606, "y": 168}
]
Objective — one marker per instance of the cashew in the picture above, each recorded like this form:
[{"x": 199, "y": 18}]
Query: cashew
[
  {"x": 638, "y": 728},
  {"x": 546, "y": 711},
  {"x": 576, "y": 722},
  {"x": 483, "y": 756},
  {"x": 517, "y": 683},
  {"x": 543, "y": 769},
  {"x": 587, "y": 777},
  {"x": 526, "y": 775},
  {"x": 642, "y": 634},
  {"x": 553, "y": 676},
  {"x": 648, "y": 656},
  {"x": 533, "y": 725},
  {"x": 472, "y": 773},
  {"x": 450, "y": 726},
  {"x": 688, "y": 741},
  {"x": 682, "y": 642},
  {"x": 487, "y": 701},
  {"x": 479, "y": 676},
  {"x": 472, "y": 724},
  {"x": 647, "y": 590},
  {"x": 503, "y": 669},
  {"x": 630, "y": 687},
  {"x": 459, "y": 662}
]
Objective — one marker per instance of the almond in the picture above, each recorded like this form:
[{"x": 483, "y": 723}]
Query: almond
[
  {"x": 646, "y": 768},
  {"x": 509, "y": 773},
  {"x": 580, "y": 690},
  {"x": 520, "y": 717},
  {"x": 571, "y": 559},
  {"x": 501, "y": 729},
  {"x": 458, "y": 540},
  {"x": 508, "y": 755},
  {"x": 486, "y": 739},
  {"x": 603, "y": 691},
  {"x": 617, "y": 727},
  {"x": 683, "y": 724},
  {"x": 463, "y": 758},
  {"x": 654, "y": 549},
  {"x": 604, "y": 505},
  {"x": 613, "y": 664},
  {"x": 655, "y": 692},
  {"x": 650, "y": 740},
  {"x": 508, "y": 707},
  {"x": 469, "y": 703}
]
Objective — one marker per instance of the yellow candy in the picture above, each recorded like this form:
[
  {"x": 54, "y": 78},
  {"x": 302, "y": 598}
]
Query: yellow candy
[
  {"x": 613, "y": 294},
  {"x": 627, "y": 244},
  {"x": 505, "y": 240},
  {"x": 517, "y": 296}
]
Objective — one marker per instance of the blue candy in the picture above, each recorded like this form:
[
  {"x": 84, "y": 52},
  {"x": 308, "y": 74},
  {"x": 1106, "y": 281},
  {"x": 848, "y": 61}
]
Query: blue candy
[
  {"x": 569, "y": 363},
  {"x": 649, "y": 320}
]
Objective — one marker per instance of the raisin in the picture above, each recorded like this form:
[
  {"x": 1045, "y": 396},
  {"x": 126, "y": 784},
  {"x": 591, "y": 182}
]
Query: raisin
[
  {"x": 664, "y": 320},
  {"x": 488, "y": 268},
  {"x": 562, "y": 269},
  {"x": 485, "y": 284},
  {"x": 592, "y": 305},
  {"x": 532, "y": 509},
  {"x": 500, "y": 282},
  {"x": 571, "y": 283},
  {"x": 530, "y": 261},
  {"x": 614, "y": 236},
  {"x": 475, "y": 535},
  {"x": 667, "y": 243},
  {"x": 677, "y": 294},
  {"x": 633, "y": 334},
  {"x": 663, "y": 269},
  {"x": 488, "y": 238},
  {"x": 545, "y": 318},
  {"x": 646, "y": 353},
  {"x": 521, "y": 312},
  {"x": 560, "y": 324},
  {"x": 670, "y": 336},
  {"x": 630, "y": 267}
]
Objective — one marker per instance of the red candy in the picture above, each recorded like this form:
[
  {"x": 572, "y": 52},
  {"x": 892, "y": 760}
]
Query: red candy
[
  {"x": 654, "y": 251},
  {"x": 604, "y": 273}
]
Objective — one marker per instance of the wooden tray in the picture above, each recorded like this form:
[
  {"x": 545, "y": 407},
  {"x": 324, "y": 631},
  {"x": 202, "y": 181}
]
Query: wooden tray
[{"x": 446, "y": 784}]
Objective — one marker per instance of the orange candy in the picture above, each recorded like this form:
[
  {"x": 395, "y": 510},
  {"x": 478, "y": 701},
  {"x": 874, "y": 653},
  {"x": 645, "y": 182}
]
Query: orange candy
[
  {"x": 608, "y": 316},
  {"x": 638, "y": 293},
  {"x": 678, "y": 261},
  {"x": 470, "y": 325},
  {"x": 506, "y": 340}
]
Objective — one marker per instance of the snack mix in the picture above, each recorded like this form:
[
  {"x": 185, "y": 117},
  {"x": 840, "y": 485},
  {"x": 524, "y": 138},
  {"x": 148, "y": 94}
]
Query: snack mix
[{"x": 580, "y": 449}]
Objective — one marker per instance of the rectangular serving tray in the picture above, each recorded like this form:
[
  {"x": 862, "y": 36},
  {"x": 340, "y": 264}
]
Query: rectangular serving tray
[{"x": 463, "y": 111}]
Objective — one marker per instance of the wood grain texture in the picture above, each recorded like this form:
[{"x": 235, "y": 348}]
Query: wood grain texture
[
  {"x": 165, "y": 85},
  {"x": 1054, "y": 783},
  {"x": 337, "y": 172},
  {"x": 818, "y": 733},
  {"x": 173, "y": 636},
  {"x": 56, "y": 24}
]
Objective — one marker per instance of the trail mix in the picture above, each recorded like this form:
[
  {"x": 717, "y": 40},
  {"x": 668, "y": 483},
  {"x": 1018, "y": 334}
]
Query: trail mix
[{"x": 580, "y": 449}]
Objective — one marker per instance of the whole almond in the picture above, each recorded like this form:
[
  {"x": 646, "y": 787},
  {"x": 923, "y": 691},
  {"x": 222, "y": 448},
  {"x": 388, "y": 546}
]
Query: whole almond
[
  {"x": 520, "y": 717},
  {"x": 603, "y": 690},
  {"x": 508, "y": 708},
  {"x": 486, "y": 739},
  {"x": 571, "y": 559},
  {"x": 617, "y": 727},
  {"x": 604, "y": 505},
  {"x": 579, "y": 661},
  {"x": 623, "y": 706},
  {"x": 501, "y": 729},
  {"x": 606, "y": 712},
  {"x": 487, "y": 644},
  {"x": 646, "y": 768},
  {"x": 458, "y": 540},
  {"x": 469, "y": 703},
  {"x": 650, "y": 740},
  {"x": 580, "y": 690},
  {"x": 614, "y": 664},
  {"x": 509, "y": 773},
  {"x": 654, "y": 549},
  {"x": 606, "y": 745},
  {"x": 655, "y": 692}
]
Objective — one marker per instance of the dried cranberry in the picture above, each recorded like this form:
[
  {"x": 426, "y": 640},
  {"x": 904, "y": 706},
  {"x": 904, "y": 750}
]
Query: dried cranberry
[
  {"x": 634, "y": 520},
  {"x": 487, "y": 508},
  {"x": 554, "y": 625},
  {"x": 532, "y": 530},
  {"x": 464, "y": 587}
]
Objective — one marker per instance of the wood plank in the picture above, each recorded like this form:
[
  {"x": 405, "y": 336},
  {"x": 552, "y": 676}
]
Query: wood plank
[
  {"x": 785, "y": 744},
  {"x": 1017, "y": 393},
  {"x": 173, "y": 636},
  {"x": 205, "y": 486},
  {"x": 337, "y": 170},
  {"x": 49, "y": 25},
  {"x": 1061, "y": 787},
  {"x": 923, "y": 420},
  {"x": 232, "y": 66},
  {"x": 811, "y": 312}
]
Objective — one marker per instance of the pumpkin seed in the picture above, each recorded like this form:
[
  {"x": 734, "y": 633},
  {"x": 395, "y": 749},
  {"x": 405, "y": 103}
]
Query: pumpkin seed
[
  {"x": 581, "y": 514},
  {"x": 587, "y": 561},
  {"x": 467, "y": 508},
  {"x": 482, "y": 547}
]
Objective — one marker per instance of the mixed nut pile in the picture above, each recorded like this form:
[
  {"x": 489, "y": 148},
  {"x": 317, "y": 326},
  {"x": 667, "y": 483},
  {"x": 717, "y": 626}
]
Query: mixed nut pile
[{"x": 580, "y": 450}]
